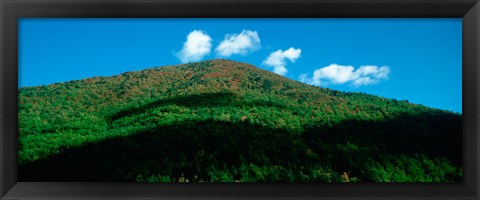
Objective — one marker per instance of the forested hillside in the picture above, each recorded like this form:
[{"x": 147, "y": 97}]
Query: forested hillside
[{"x": 222, "y": 120}]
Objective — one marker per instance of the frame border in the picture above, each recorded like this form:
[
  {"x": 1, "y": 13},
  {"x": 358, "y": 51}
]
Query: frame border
[{"x": 12, "y": 10}]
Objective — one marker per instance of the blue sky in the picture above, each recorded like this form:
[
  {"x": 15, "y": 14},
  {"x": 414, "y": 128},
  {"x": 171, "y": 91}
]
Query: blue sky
[{"x": 419, "y": 60}]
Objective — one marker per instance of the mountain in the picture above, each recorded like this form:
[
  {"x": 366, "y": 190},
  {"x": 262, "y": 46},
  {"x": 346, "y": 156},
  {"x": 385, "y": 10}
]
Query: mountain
[{"x": 222, "y": 120}]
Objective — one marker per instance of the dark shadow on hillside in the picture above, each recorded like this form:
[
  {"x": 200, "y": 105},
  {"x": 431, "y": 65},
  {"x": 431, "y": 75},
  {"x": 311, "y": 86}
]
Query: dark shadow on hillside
[
  {"x": 216, "y": 99},
  {"x": 434, "y": 134},
  {"x": 192, "y": 147},
  {"x": 183, "y": 148}
]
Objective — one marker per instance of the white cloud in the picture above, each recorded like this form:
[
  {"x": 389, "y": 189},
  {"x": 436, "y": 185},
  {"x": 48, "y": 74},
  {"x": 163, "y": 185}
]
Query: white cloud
[
  {"x": 303, "y": 77},
  {"x": 197, "y": 46},
  {"x": 245, "y": 42},
  {"x": 277, "y": 59},
  {"x": 340, "y": 74}
]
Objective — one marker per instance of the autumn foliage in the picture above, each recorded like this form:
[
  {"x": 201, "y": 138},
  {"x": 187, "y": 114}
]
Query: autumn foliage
[{"x": 225, "y": 121}]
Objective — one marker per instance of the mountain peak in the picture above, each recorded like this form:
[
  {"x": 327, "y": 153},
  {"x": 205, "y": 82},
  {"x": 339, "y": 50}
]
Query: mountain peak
[
  {"x": 226, "y": 63},
  {"x": 223, "y": 120}
]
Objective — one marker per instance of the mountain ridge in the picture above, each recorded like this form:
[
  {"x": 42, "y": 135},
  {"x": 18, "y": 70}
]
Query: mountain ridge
[
  {"x": 155, "y": 70},
  {"x": 241, "y": 105}
]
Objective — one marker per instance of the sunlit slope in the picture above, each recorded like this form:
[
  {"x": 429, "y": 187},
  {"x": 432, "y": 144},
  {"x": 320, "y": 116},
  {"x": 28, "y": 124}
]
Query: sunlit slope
[{"x": 222, "y": 120}]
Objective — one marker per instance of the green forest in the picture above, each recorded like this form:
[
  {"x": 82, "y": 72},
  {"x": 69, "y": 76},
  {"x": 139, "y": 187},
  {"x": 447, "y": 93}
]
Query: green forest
[{"x": 226, "y": 121}]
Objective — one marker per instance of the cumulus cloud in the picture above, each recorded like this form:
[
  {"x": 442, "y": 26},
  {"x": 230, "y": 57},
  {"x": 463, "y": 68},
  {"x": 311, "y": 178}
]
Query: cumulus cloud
[
  {"x": 277, "y": 59},
  {"x": 244, "y": 43},
  {"x": 197, "y": 46},
  {"x": 340, "y": 74}
]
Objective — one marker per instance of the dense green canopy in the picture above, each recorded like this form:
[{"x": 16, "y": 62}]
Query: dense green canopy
[{"x": 222, "y": 120}]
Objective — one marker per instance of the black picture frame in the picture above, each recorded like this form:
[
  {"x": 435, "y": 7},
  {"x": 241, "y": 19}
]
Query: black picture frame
[{"x": 12, "y": 10}]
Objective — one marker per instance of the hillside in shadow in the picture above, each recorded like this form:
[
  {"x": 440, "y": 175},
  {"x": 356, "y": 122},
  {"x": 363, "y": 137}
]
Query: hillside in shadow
[
  {"x": 423, "y": 147},
  {"x": 222, "y": 120}
]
